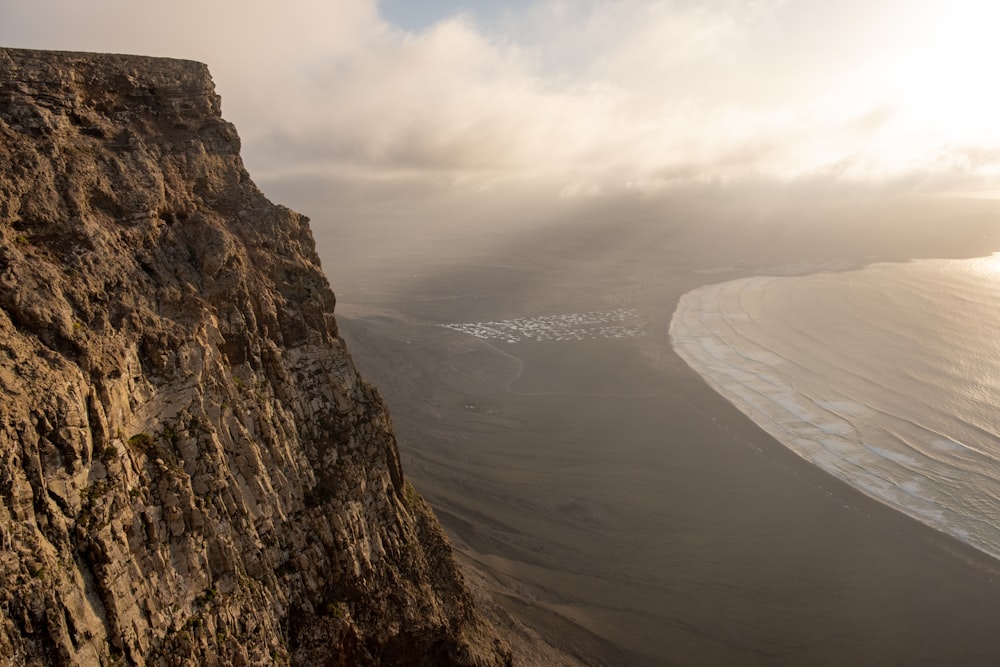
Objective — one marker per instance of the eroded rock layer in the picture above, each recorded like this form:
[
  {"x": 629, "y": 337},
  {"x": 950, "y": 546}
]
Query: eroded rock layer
[{"x": 191, "y": 470}]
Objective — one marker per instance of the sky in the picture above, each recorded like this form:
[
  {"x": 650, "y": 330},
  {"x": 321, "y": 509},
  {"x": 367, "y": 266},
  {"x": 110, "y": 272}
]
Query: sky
[{"x": 444, "y": 106}]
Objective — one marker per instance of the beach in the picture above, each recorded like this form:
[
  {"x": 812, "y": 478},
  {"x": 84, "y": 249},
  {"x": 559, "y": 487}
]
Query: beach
[{"x": 629, "y": 513}]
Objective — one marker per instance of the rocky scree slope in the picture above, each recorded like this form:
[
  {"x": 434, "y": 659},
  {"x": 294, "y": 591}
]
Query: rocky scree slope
[{"x": 191, "y": 470}]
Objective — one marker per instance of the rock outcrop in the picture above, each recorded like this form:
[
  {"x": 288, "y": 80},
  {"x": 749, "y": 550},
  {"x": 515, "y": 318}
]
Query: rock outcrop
[{"x": 191, "y": 470}]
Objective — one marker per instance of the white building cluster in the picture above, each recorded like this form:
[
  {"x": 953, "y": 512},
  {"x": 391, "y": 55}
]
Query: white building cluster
[{"x": 617, "y": 323}]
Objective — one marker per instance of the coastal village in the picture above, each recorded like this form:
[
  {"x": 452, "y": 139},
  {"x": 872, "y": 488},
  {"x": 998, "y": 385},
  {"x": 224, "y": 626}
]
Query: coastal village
[{"x": 616, "y": 323}]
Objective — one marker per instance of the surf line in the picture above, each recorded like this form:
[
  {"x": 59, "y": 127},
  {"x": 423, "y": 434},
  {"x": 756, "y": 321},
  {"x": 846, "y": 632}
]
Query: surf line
[{"x": 520, "y": 372}]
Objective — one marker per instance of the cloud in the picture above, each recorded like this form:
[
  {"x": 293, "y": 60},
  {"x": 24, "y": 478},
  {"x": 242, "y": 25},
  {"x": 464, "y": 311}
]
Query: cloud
[{"x": 574, "y": 99}]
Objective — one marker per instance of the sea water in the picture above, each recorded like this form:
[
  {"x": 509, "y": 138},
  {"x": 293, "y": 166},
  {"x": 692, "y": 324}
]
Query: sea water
[{"x": 887, "y": 377}]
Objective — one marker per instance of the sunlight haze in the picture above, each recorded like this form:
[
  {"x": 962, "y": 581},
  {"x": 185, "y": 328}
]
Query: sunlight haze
[
  {"x": 685, "y": 313},
  {"x": 577, "y": 98}
]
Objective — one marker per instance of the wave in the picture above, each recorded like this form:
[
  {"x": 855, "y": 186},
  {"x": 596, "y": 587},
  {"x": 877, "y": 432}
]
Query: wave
[{"x": 887, "y": 377}]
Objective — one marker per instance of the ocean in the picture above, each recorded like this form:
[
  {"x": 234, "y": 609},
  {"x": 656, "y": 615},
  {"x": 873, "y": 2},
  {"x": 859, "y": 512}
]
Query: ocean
[{"x": 887, "y": 377}]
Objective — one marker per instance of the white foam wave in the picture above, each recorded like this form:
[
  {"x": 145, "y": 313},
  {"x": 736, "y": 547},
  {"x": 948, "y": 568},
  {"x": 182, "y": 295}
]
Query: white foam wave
[{"x": 884, "y": 377}]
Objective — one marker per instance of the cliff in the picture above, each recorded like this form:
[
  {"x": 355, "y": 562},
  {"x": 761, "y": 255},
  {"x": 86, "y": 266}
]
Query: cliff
[{"x": 191, "y": 470}]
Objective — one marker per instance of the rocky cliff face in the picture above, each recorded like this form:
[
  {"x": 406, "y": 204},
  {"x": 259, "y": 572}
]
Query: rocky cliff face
[{"x": 191, "y": 470}]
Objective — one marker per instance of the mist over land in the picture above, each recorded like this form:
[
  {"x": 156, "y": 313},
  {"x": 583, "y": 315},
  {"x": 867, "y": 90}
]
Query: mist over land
[
  {"x": 470, "y": 165},
  {"x": 620, "y": 504}
]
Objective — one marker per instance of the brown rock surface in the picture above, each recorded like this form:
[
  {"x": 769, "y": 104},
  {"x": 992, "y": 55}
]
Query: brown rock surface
[{"x": 191, "y": 470}]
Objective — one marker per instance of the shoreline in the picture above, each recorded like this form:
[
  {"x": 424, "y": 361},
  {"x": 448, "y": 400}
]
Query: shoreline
[
  {"x": 630, "y": 532},
  {"x": 687, "y": 334},
  {"x": 862, "y": 502},
  {"x": 673, "y": 529}
]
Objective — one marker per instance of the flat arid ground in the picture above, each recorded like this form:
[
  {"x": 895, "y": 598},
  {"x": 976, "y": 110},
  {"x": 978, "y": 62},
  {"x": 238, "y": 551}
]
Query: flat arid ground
[{"x": 607, "y": 496}]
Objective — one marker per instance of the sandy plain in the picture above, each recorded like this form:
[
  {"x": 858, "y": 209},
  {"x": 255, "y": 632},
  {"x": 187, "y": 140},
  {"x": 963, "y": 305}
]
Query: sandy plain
[{"x": 611, "y": 500}]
